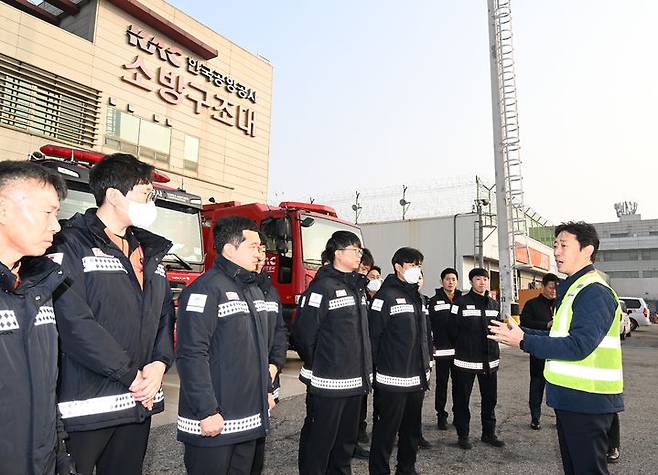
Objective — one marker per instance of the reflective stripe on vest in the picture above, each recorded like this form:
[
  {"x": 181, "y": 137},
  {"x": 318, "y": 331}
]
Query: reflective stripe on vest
[{"x": 601, "y": 371}]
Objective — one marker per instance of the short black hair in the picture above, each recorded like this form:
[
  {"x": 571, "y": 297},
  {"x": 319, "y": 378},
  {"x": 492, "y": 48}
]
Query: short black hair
[
  {"x": 14, "y": 170},
  {"x": 366, "y": 258},
  {"x": 263, "y": 238},
  {"x": 228, "y": 230},
  {"x": 548, "y": 278},
  {"x": 377, "y": 268},
  {"x": 407, "y": 255},
  {"x": 340, "y": 240},
  {"x": 121, "y": 171},
  {"x": 478, "y": 272},
  {"x": 585, "y": 233},
  {"x": 449, "y": 270}
]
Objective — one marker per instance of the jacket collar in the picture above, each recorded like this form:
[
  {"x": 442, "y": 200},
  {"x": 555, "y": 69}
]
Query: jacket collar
[
  {"x": 152, "y": 244},
  {"x": 563, "y": 286},
  {"x": 352, "y": 279},
  {"x": 480, "y": 299},
  {"x": 392, "y": 281},
  {"x": 33, "y": 271},
  {"x": 441, "y": 294},
  {"x": 234, "y": 271}
]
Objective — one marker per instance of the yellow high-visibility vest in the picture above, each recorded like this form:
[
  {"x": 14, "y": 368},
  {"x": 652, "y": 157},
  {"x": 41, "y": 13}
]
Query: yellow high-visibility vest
[{"x": 601, "y": 371}]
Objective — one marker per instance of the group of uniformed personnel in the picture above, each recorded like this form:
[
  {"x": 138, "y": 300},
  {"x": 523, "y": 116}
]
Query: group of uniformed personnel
[{"x": 87, "y": 335}]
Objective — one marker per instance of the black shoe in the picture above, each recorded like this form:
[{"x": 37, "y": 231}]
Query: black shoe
[
  {"x": 613, "y": 455},
  {"x": 363, "y": 438},
  {"x": 464, "y": 443},
  {"x": 423, "y": 443},
  {"x": 360, "y": 453},
  {"x": 442, "y": 423},
  {"x": 535, "y": 425},
  {"x": 492, "y": 440}
]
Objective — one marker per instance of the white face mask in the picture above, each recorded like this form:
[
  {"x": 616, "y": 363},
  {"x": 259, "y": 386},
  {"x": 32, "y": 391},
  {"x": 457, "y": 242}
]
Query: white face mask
[
  {"x": 374, "y": 285},
  {"x": 142, "y": 215},
  {"x": 412, "y": 275}
]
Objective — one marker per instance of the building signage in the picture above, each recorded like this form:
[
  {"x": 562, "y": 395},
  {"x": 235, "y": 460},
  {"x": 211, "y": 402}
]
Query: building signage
[{"x": 173, "y": 88}]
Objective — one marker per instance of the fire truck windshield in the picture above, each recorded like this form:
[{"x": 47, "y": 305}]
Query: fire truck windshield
[
  {"x": 179, "y": 224},
  {"x": 316, "y": 235}
]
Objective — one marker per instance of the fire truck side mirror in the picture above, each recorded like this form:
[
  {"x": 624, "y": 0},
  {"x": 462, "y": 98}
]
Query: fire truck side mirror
[
  {"x": 283, "y": 229},
  {"x": 281, "y": 246}
]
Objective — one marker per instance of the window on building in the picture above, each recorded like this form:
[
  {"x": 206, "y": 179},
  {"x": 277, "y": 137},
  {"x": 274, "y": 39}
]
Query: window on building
[
  {"x": 42, "y": 103},
  {"x": 650, "y": 254},
  {"x": 618, "y": 255},
  {"x": 650, "y": 274},
  {"x": 191, "y": 153},
  {"x": 132, "y": 134},
  {"x": 653, "y": 233},
  {"x": 619, "y": 235},
  {"x": 623, "y": 274}
]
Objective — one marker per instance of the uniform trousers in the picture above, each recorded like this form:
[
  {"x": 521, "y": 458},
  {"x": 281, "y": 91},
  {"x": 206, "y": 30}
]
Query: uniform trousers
[
  {"x": 537, "y": 384},
  {"x": 234, "y": 459},
  {"x": 583, "y": 442},
  {"x": 396, "y": 413},
  {"x": 329, "y": 434},
  {"x": 118, "y": 450},
  {"x": 444, "y": 371},
  {"x": 463, "y": 386}
]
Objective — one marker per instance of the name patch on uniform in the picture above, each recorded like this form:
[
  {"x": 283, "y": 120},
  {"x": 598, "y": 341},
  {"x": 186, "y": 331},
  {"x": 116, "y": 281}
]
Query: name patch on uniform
[
  {"x": 56, "y": 257},
  {"x": 232, "y": 296},
  {"x": 377, "y": 305},
  {"x": 314, "y": 300},
  {"x": 196, "y": 303},
  {"x": 441, "y": 306},
  {"x": 454, "y": 309},
  {"x": 470, "y": 307},
  {"x": 341, "y": 293},
  {"x": 400, "y": 300},
  {"x": 98, "y": 253},
  {"x": 303, "y": 301},
  {"x": 8, "y": 321}
]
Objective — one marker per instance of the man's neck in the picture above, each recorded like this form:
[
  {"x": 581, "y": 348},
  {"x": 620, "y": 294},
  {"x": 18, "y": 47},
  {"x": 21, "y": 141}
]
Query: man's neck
[
  {"x": 449, "y": 293},
  {"x": 9, "y": 257},
  {"x": 581, "y": 268},
  {"x": 481, "y": 294},
  {"x": 109, "y": 218}
]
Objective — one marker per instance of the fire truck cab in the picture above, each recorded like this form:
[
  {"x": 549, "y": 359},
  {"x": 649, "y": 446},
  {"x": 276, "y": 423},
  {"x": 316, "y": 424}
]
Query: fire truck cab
[
  {"x": 296, "y": 235},
  {"x": 179, "y": 212}
]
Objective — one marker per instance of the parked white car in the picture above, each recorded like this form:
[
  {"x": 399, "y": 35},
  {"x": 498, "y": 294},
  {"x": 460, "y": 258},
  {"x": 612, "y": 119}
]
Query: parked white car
[
  {"x": 625, "y": 324},
  {"x": 638, "y": 311}
]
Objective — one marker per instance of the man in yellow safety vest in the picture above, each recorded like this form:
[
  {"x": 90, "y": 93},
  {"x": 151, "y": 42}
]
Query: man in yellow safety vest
[{"x": 583, "y": 352}]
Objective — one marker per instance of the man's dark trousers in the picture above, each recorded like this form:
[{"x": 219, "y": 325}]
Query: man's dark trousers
[
  {"x": 463, "y": 384},
  {"x": 537, "y": 384},
  {"x": 443, "y": 373},
  {"x": 396, "y": 412},
  {"x": 583, "y": 442},
  {"x": 234, "y": 459},
  {"x": 328, "y": 437}
]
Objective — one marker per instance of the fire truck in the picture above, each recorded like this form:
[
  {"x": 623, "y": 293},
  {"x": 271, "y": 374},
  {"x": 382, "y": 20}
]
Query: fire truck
[
  {"x": 179, "y": 212},
  {"x": 296, "y": 235}
]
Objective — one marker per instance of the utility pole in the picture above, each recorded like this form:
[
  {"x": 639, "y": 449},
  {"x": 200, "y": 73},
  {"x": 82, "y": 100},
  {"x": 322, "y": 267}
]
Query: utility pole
[
  {"x": 509, "y": 182},
  {"x": 356, "y": 207}
]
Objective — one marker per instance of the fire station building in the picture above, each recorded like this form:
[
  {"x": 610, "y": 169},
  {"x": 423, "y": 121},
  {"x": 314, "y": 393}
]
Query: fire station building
[{"x": 136, "y": 76}]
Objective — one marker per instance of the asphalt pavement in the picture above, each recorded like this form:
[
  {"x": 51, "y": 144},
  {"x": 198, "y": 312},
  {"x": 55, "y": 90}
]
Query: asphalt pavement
[{"x": 527, "y": 451}]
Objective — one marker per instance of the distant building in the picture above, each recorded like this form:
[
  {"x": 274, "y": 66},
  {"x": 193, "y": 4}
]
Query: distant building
[{"x": 629, "y": 255}]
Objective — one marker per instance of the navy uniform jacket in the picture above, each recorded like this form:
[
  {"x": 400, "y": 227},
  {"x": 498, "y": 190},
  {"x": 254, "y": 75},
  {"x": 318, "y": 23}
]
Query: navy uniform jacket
[{"x": 593, "y": 312}]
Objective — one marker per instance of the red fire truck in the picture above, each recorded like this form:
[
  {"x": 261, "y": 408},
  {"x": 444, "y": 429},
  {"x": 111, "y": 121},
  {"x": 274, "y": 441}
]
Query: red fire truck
[
  {"x": 179, "y": 212},
  {"x": 296, "y": 236}
]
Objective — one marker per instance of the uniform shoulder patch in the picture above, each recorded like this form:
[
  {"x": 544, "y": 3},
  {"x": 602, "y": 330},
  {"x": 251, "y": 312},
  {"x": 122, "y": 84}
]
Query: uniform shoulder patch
[
  {"x": 56, "y": 257},
  {"x": 196, "y": 303},
  {"x": 377, "y": 305},
  {"x": 314, "y": 300}
]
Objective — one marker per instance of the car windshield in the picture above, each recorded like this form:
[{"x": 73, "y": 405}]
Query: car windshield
[
  {"x": 180, "y": 225},
  {"x": 316, "y": 235},
  {"x": 632, "y": 303}
]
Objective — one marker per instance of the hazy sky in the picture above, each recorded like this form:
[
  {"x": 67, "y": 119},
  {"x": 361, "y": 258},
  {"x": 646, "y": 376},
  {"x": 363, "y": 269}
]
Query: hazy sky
[{"x": 373, "y": 93}]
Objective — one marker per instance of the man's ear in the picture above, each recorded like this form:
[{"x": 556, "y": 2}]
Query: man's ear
[
  {"x": 228, "y": 250},
  {"x": 589, "y": 250},
  {"x": 113, "y": 196}
]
